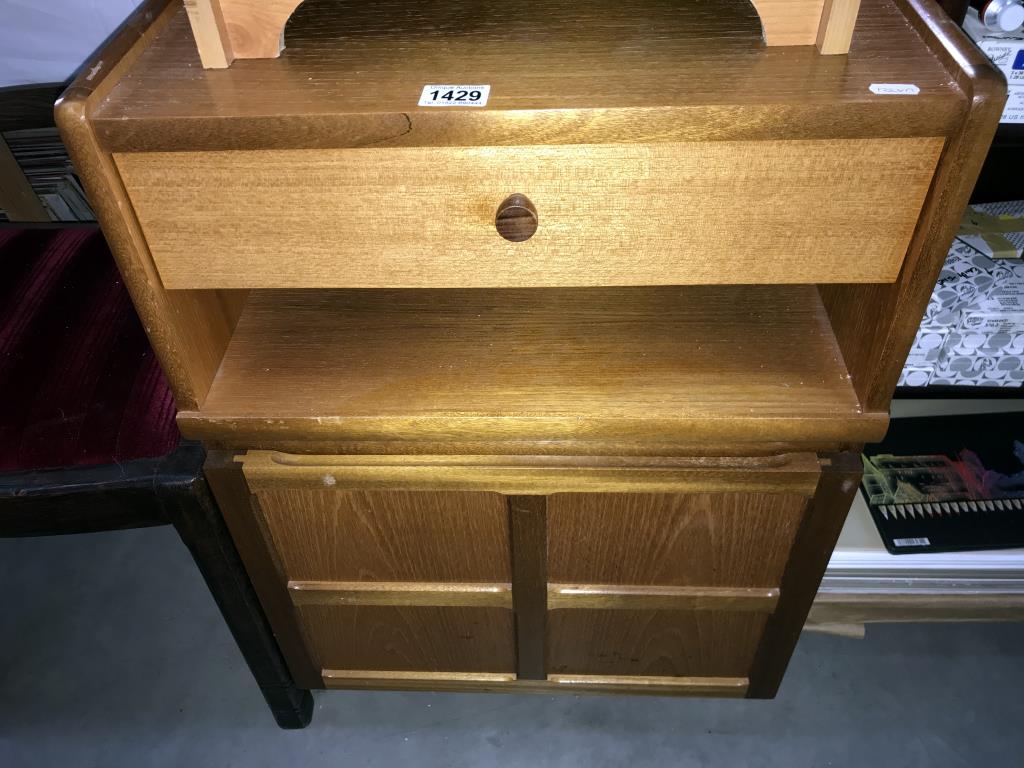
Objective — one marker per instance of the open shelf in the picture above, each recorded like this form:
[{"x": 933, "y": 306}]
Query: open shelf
[{"x": 667, "y": 364}]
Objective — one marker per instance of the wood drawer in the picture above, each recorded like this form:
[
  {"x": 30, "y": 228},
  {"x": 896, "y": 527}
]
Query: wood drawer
[{"x": 822, "y": 211}]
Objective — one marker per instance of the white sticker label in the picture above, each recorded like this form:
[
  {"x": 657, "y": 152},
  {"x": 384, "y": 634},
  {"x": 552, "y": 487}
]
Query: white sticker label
[
  {"x": 894, "y": 89},
  {"x": 914, "y": 542},
  {"x": 455, "y": 95}
]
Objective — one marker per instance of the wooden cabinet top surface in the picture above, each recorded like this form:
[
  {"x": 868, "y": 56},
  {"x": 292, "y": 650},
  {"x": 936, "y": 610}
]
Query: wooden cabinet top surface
[
  {"x": 610, "y": 70},
  {"x": 658, "y": 75}
]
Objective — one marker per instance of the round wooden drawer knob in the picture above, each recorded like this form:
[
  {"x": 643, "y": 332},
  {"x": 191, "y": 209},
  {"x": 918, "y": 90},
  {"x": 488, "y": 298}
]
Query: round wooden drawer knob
[{"x": 516, "y": 219}]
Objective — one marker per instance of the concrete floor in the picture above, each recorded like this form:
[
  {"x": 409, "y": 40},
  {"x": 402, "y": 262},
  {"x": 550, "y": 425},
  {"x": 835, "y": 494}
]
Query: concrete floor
[{"x": 112, "y": 653}]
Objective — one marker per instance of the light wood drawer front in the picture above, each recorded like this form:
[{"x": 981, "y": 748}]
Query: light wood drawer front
[
  {"x": 653, "y": 643},
  {"x": 389, "y": 536},
  {"x": 698, "y": 540},
  {"x": 822, "y": 211},
  {"x": 423, "y": 639}
]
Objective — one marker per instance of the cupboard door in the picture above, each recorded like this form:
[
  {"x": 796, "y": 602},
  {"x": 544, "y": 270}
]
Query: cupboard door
[
  {"x": 666, "y": 585},
  {"x": 652, "y": 574},
  {"x": 391, "y": 585},
  {"x": 653, "y": 643}
]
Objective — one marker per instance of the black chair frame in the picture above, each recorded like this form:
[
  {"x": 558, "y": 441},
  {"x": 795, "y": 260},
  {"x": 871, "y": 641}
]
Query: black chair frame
[{"x": 170, "y": 490}]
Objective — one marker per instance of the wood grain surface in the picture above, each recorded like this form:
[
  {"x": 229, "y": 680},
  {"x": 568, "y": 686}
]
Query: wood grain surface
[
  {"x": 256, "y": 27},
  {"x": 229, "y": 29},
  {"x": 244, "y": 29},
  {"x": 418, "y": 639},
  {"x": 334, "y": 535},
  {"x": 638, "y": 598},
  {"x": 278, "y": 473},
  {"x": 614, "y": 214},
  {"x": 693, "y": 540},
  {"x": 856, "y": 608},
  {"x": 790, "y": 22},
  {"x": 808, "y": 558},
  {"x": 653, "y": 643},
  {"x": 875, "y": 344},
  {"x": 835, "y": 32},
  {"x": 209, "y": 27},
  {"x": 242, "y": 516},
  {"x": 649, "y": 684},
  {"x": 697, "y": 365},
  {"x": 636, "y": 71},
  {"x": 421, "y": 593},
  {"x": 674, "y": 366},
  {"x": 534, "y": 447},
  {"x": 485, "y": 682},
  {"x": 430, "y": 681}
]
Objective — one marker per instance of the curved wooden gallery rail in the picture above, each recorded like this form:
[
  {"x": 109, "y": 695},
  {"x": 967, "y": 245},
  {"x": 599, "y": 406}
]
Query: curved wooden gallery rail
[{"x": 226, "y": 30}]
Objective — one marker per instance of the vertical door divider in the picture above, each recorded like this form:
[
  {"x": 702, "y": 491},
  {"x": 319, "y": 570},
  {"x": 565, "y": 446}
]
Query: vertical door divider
[{"x": 528, "y": 526}]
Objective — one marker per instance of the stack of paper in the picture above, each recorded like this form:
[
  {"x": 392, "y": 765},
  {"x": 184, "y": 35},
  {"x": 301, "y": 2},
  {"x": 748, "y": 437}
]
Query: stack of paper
[
  {"x": 44, "y": 160},
  {"x": 973, "y": 329}
]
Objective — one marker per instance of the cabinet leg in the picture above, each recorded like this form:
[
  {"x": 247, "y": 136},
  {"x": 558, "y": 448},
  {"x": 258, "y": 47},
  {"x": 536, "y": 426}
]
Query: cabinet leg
[{"x": 291, "y": 707}]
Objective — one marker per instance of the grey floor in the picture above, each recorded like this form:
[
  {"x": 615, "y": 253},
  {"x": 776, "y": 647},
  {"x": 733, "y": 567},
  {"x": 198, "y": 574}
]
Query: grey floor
[{"x": 113, "y": 654}]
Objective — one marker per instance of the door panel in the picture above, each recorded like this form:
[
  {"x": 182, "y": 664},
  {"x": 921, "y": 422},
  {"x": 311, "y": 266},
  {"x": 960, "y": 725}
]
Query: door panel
[
  {"x": 410, "y": 638},
  {"x": 700, "y": 539},
  {"x": 619, "y": 571},
  {"x": 351, "y": 536},
  {"x": 653, "y": 643}
]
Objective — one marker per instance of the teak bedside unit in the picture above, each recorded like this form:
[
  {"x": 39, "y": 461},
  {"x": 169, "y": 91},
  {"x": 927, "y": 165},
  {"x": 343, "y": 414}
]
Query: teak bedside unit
[{"x": 608, "y": 448}]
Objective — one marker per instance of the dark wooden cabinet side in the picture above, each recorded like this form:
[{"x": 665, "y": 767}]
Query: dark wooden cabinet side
[
  {"x": 808, "y": 559},
  {"x": 238, "y": 507}
]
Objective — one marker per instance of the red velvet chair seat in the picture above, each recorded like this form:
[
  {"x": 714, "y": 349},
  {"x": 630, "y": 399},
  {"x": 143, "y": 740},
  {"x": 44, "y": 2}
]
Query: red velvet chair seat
[
  {"x": 87, "y": 434},
  {"x": 79, "y": 384}
]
